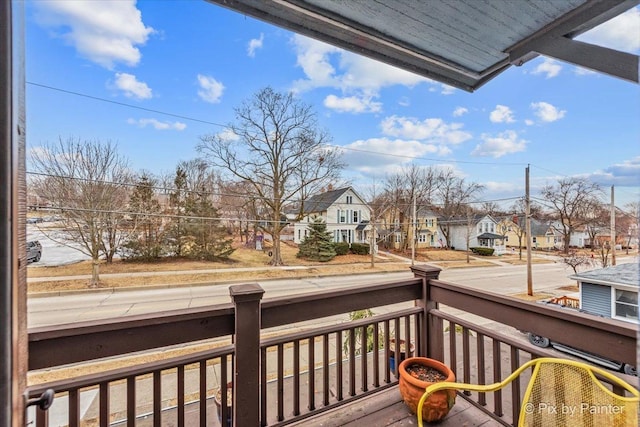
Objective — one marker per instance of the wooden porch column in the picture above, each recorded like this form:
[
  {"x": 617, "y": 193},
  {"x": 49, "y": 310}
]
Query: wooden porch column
[
  {"x": 13, "y": 271},
  {"x": 431, "y": 344},
  {"x": 246, "y": 369}
]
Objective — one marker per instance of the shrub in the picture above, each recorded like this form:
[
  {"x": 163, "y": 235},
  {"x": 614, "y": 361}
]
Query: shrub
[
  {"x": 360, "y": 249},
  {"x": 482, "y": 251},
  {"x": 342, "y": 248}
]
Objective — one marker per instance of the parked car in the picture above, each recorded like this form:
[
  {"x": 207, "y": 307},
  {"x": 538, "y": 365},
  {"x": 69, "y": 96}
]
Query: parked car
[{"x": 34, "y": 251}]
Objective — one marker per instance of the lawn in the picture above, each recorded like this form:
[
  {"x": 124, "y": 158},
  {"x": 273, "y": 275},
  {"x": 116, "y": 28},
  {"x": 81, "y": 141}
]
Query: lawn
[{"x": 177, "y": 272}]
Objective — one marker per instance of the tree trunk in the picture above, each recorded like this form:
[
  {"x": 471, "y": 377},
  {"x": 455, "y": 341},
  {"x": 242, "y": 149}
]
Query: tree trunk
[
  {"x": 276, "y": 257},
  {"x": 95, "y": 273}
]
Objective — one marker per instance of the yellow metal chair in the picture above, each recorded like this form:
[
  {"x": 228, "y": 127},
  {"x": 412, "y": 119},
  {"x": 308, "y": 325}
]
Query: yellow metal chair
[{"x": 562, "y": 393}]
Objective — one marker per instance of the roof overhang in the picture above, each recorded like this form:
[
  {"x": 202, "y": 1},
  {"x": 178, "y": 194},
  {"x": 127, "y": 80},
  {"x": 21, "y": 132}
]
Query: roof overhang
[{"x": 462, "y": 43}]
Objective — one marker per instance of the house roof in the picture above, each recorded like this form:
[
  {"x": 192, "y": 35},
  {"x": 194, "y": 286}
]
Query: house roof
[
  {"x": 322, "y": 201},
  {"x": 622, "y": 274},
  {"x": 463, "y": 220},
  {"x": 463, "y": 43},
  {"x": 362, "y": 225},
  {"x": 490, "y": 236}
]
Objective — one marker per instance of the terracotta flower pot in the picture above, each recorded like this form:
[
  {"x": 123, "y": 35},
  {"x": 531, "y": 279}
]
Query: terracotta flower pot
[{"x": 437, "y": 406}]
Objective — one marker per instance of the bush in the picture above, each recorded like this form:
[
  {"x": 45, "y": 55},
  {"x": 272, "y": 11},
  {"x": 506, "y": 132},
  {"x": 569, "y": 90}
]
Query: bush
[
  {"x": 482, "y": 251},
  {"x": 360, "y": 249},
  {"x": 342, "y": 248}
]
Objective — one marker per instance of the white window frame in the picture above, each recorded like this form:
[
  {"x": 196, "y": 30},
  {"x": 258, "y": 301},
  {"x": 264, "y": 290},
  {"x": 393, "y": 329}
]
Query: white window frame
[{"x": 614, "y": 302}]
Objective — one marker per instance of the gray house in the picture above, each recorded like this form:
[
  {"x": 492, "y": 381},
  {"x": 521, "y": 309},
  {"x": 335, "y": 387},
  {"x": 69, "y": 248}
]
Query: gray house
[{"x": 610, "y": 292}]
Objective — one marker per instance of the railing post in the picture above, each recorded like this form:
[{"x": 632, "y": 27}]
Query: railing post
[
  {"x": 431, "y": 344},
  {"x": 246, "y": 369}
]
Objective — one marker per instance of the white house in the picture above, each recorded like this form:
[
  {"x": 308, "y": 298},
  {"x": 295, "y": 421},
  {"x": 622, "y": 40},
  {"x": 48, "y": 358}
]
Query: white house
[
  {"x": 481, "y": 230},
  {"x": 346, "y": 214}
]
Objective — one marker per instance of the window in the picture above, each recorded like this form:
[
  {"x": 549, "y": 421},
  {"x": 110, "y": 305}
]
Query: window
[
  {"x": 626, "y": 304},
  {"x": 422, "y": 237},
  {"x": 534, "y": 239},
  {"x": 356, "y": 216},
  {"x": 342, "y": 215},
  {"x": 480, "y": 229},
  {"x": 349, "y": 200},
  {"x": 492, "y": 229}
]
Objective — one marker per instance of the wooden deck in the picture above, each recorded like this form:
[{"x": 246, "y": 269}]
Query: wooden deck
[{"x": 386, "y": 408}]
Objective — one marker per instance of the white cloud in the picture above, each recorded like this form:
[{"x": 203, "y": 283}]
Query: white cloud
[
  {"x": 326, "y": 66},
  {"x": 460, "y": 111},
  {"x": 547, "y": 112},
  {"x": 132, "y": 88},
  {"x": 158, "y": 125},
  {"x": 625, "y": 174},
  {"x": 210, "y": 89},
  {"x": 228, "y": 135},
  {"x": 384, "y": 155},
  {"x": 255, "y": 44},
  {"x": 433, "y": 130},
  {"x": 548, "y": 67},
  {"x": 497, "y": 146},
  {"x": 502, "y": 114},
  {"x": 620, "y": 33},
  {"x": 352, "y": 104},
  {"x": 529, "y": 122},
  {"x": 105, "y": 32},
  {"x": 580, "y": 71}
]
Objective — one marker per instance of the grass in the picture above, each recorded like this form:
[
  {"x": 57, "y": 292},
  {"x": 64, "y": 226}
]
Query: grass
[{"x": 178, "y": 272}]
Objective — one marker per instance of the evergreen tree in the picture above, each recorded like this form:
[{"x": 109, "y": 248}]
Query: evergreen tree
[
  {"x": 146, "y": 242},
  {"x": 207, "y": 237},
  {"x": 177, "y": 199},
  {"x": 318, "y": 245}
]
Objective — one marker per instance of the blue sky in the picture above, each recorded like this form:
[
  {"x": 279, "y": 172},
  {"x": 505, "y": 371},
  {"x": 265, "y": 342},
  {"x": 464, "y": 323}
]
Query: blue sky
[{"x": 113, "y": 70}]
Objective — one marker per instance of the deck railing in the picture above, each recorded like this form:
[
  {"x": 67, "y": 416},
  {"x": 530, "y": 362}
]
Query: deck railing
[{"x": 280, "y": 376}]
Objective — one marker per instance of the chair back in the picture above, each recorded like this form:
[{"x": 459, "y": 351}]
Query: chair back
[{"x": 567, "y": 393}]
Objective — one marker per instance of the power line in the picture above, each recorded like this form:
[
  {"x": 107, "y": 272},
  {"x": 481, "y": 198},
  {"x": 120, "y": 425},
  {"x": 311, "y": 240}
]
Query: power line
[
  {"x": 358, "y": 150},
  {"x": 124, "y": 104}
]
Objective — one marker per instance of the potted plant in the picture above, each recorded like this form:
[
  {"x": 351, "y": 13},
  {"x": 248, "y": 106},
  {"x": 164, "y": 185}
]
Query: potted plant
[
  {"x": 403, "y": 352},
  {"x": 217, "y": 400},
  {"x": 418, "y": 373}
]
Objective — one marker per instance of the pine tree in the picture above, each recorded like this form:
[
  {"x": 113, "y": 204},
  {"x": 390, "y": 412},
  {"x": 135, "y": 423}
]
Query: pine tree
[
  {"x": 146, "y": 243},
  {"x": 318, "y": 245}
]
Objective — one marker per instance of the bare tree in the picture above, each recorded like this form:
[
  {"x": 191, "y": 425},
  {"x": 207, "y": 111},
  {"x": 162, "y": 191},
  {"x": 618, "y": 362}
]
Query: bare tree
[
  {"x": 413, "y": 182},
  {"x": 279, "y": 149},
  {"x": 88, "y": 182},
  {"x": 454, "y": 194},
  {"x": 573, "y": 201},
  {"x": 519, "y": 220},
  {"x": 630, "y": 225},
  {"x": 597, "y": 221},
  {"x": 576, "y": 259}
]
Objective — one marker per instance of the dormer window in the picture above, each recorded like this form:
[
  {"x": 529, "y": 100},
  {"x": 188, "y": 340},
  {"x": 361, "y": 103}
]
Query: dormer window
[{"x": 349, "y": 200}]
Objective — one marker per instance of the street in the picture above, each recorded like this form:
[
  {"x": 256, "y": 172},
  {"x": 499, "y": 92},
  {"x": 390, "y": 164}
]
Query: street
[{"x": 75, "y": 307}]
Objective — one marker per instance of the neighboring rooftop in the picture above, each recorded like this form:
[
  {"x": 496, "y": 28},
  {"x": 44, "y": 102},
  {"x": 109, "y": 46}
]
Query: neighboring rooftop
[{"x": 624, "y": 274}]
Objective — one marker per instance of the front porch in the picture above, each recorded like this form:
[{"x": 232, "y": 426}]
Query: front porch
[{"x": 298, "y": 358}]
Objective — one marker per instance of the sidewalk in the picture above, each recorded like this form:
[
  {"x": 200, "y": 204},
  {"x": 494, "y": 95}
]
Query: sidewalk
[{"x": 179, "y": 272}]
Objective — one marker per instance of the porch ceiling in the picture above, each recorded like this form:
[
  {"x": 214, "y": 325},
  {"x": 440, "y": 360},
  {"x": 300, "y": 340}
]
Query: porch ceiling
[{"x": 462, "y": 43}]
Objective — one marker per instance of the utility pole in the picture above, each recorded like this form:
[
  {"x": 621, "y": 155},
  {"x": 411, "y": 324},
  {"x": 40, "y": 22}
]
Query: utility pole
[
  {"x": 613, "y": 229},
  {"x": 527, "y": 221}
]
